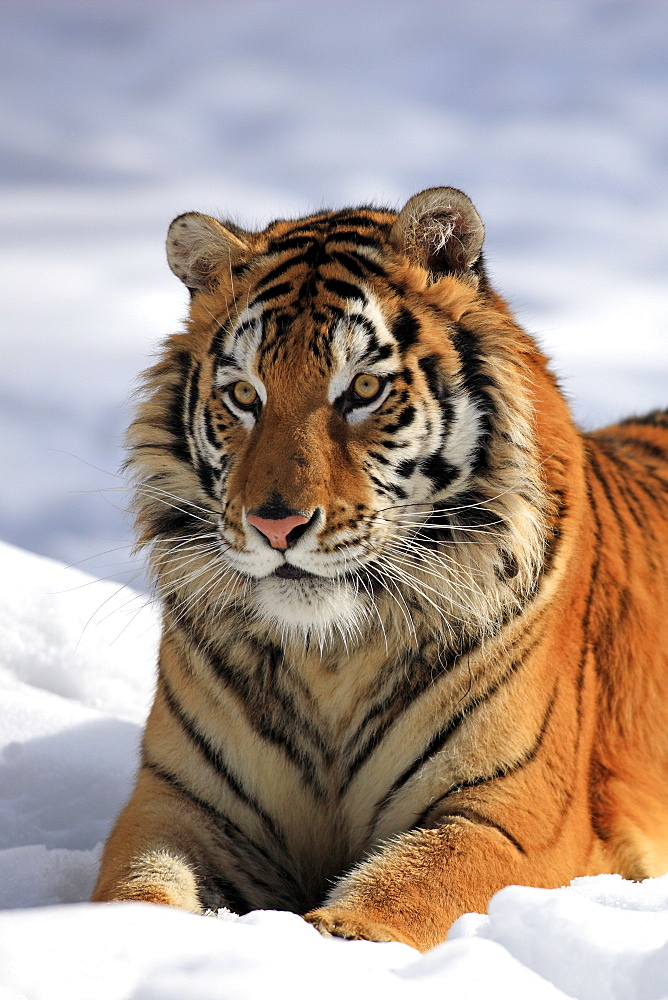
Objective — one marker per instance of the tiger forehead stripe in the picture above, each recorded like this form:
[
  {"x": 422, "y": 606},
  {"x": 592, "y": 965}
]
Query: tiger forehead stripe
[{"x": 319, "y": 243}]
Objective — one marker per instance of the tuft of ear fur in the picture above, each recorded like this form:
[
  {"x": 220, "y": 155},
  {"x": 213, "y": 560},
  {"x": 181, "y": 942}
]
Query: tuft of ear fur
[
  {"x": 440, "y": 230},
  {"x": 197, "y": 244}
]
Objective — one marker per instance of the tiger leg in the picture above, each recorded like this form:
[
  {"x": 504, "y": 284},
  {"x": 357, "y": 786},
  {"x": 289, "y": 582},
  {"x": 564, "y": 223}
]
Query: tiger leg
[
  {"x": 152, "y": 853},
  {"x": 415, "y": 888}
]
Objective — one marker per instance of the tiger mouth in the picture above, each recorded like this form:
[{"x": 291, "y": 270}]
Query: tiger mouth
[{"x": 289, "y": 572}]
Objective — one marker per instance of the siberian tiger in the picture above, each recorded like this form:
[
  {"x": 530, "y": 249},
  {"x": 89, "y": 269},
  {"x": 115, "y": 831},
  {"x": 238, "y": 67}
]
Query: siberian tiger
[{"x": 415, "y": 623}]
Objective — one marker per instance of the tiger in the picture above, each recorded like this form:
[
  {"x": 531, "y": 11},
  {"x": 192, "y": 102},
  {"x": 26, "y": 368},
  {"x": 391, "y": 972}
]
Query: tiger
[{"x": 414, "y": 621}]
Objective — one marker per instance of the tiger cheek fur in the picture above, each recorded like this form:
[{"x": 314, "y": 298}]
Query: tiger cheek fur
[{"x": 415, "y": 636}]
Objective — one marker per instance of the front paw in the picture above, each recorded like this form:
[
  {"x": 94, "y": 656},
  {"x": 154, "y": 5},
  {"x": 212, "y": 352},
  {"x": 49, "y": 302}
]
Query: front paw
[{"x": 337, "y": 922}]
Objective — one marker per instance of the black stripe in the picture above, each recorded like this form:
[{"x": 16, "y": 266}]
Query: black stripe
[
  {"x": 359, "y": 265},
  {"x": 210, "y": 431},
  {"x": 391, "y": 443},
  {"x": 605, "y": 487},
  {"x": 636, "y": 489},
  {"x": 655, "y": 418},
  {"x": 214, "y": 757},
  {"x": 414, "y": 679},
  {"x": 267, "y": 706},
  {"x": 467, "y": 510},
  {"x": 234, "y": 839},
  {"x": 278, "y": 271},
  {"x": 248, "y": 326},
  {"x": 650, "y": 448},
  {"x": 166, "y": 521},
  {"x": 443, "y": 735},
  {"x": 598, "y": 545},
  {"x": 192, "y": 394},
  {"x": 477, "y": 818},
  {"x": 646, "y": 480},
  {"x": 628, "y": 491},
  {"x": 227, "y": 360},
  {"x": 285, "y": 243},
  {"x": 271, "y": 293},
  {"x": 405, "y": 419},
  {"x": 352, "y": 236},
  {"x": 172, "y": 448},
  {"x": 381, "y": 487},
  {"x": 205, "y": 474},
  {"x": 382, "y": 353},
  {"x": 315, "y": 225},
  {"x": 478, "y": 383},
  {"x": 217, "y": 340},
  {"x": 437, "y": 387},
  {"x": 406, "y": 329},
  {"x": 344, "y": 289},
  {"x": 430, "y": 369},
  {"x": 207, "y": 478},
  {"x": 585, "y": 646},
  {"x": 348, "y": 218},
  {"x": 173, "y": 421},
  {"x": 357, "y": 319},
  {"x": 440, "y": 471},
  {"x": 501, "y": 772},
  {"x": 216, "y": 891},
  {"x": 352, "y": 264},
  {"x": 554, "y": 533},
  {"x": 266, "y": 726},
  {"x": 452, "y": 519},
  {"x": 166, "y": 515},
  {"x": 406, "y": 468}
]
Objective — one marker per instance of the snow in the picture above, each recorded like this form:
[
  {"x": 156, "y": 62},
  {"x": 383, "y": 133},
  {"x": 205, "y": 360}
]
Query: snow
[
  {"x": 117, "y": 117},
  {"x": 75, "y": 682}
]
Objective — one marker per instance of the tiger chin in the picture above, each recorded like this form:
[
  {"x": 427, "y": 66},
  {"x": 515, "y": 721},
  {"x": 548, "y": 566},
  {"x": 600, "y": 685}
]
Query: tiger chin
[{"x": 415, "y": 622}]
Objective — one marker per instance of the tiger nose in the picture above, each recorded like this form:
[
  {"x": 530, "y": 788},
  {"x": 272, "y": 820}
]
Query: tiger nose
[{"x": 277, "y": 529}]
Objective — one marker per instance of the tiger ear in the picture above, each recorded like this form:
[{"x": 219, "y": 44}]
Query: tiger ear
[
  {"x": 198, "y": 244},
  {"x": 440, "y": 230}
]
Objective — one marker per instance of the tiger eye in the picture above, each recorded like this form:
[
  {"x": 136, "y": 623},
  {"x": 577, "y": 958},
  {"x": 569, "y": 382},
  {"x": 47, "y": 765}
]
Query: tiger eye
[
  {"x": 244, "y": 394},
  {"x": 367, "y": 386}
]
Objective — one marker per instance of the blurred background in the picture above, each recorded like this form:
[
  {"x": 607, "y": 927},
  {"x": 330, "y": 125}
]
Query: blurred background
[{"x": 117, "y": 116}]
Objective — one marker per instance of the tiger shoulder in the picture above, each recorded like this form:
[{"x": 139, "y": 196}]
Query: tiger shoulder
[{"x": 415, "y": 622}]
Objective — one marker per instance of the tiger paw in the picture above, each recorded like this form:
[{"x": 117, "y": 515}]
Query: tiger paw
[{"x": 337, "y": 922}]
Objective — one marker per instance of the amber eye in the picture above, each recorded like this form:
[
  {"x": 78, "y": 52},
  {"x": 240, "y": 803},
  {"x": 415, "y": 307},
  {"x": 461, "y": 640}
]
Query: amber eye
[
  {"x": 244, "y": 395},
  {"x": 367, "y": 387}
]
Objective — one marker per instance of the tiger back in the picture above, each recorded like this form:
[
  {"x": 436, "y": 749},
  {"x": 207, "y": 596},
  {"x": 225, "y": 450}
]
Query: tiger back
[{"x": 415, "y": 637}]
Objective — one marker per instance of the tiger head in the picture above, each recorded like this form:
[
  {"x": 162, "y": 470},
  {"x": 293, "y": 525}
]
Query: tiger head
[{"x": 342, "y": 441}]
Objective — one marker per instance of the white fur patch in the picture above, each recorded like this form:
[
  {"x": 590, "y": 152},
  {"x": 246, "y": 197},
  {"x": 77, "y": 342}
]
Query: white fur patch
[
  {"x": 464, "y": 434},
  {"x": 350, "y": 351},
  {"x": 242, "y": 345},
  {"x": 318, "y": 607}
]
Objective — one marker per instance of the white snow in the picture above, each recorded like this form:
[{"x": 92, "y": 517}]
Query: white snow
[{"x": 115, "y": 117}]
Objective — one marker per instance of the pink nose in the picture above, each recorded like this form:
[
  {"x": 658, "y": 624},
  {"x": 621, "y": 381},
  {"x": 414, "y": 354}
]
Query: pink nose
[{"x": 277, "y": 530}]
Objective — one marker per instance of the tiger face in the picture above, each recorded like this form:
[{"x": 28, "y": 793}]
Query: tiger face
[{"x": 338, "y": 444}]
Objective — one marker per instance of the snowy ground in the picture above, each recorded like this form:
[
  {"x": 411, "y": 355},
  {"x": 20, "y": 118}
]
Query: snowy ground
[{"x": 117, "y": 116}]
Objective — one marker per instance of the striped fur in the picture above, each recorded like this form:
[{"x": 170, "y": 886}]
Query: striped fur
[{"x": 454, "y": 676}]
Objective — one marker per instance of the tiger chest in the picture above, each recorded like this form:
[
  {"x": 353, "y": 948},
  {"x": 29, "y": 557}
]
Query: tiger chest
[{"x": 304, "y": 772}]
